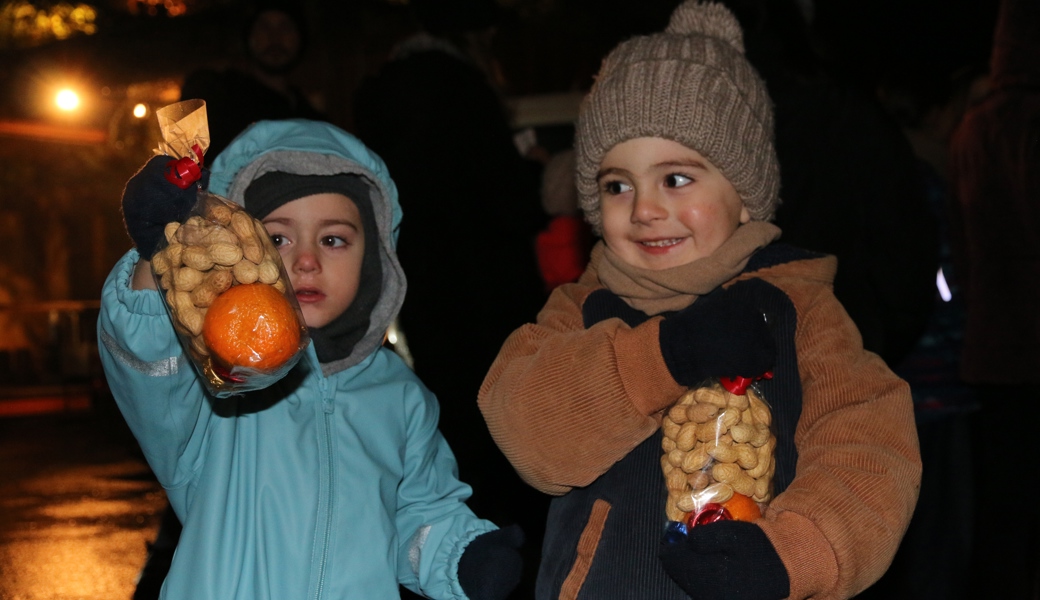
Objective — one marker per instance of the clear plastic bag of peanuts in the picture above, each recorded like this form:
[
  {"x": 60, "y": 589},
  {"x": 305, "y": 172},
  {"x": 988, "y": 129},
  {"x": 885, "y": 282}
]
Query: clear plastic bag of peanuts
[
  {"x": 221, "y": 277},
  {"x": 717, "y": 459}
]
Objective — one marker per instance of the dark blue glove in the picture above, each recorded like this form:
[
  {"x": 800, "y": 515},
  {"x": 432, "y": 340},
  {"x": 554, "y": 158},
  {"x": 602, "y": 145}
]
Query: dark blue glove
[
  {"x": 491, "y": 565},
  {"x": 720, "y": 335},
  {"x": 150, "y": 201},
  {"x": 726, "y": 560}
]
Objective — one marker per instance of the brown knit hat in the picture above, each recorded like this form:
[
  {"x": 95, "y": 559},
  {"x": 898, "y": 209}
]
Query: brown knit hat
[{"x": 692, "y": 85}]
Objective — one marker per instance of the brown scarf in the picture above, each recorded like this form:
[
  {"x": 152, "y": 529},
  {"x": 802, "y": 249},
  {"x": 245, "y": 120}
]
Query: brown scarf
[{"x": 655, "y": 292}]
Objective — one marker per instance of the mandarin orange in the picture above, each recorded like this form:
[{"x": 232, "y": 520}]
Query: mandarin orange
[
  {"x": 742, "y": 508},
  {"x": 252, "y": 325}
]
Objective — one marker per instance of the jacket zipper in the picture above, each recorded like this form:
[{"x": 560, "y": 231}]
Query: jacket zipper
[{"x": 327, "y": 409}]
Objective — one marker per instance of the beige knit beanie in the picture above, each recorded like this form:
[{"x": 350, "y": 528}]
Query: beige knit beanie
[{"x": 692, "y": 85}]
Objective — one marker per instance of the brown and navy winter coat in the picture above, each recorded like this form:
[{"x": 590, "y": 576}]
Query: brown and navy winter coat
[{"x": 575, "y": 401}]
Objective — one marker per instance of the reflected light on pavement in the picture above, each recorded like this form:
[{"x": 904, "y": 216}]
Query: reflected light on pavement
[{"x": 77, "y": 508}]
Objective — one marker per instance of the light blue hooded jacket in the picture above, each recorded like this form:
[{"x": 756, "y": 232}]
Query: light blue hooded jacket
[{"x": 333, "y": 483}]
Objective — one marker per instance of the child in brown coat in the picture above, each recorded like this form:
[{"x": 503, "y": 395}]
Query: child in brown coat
[{"x": 677, "y": 173}]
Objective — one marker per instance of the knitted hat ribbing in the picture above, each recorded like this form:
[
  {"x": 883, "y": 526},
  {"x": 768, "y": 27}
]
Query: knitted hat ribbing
[{"x": 690, "y": 84}]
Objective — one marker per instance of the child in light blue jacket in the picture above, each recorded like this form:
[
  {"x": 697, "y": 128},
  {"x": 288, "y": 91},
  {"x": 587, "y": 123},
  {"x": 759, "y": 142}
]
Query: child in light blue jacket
[{"x": 335, "y": 481}]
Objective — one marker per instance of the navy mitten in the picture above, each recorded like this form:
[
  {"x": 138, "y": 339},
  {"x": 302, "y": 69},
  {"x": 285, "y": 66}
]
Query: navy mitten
[
  {"x": 491, "y": 565},
  {"x": 720, "y": 335},
  {"x": 726, "y": 560},
  {"x": 150, "y": 201}
]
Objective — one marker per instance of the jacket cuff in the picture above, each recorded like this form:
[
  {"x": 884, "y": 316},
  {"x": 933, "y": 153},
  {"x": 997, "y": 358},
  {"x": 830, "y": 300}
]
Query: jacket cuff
[
  {"x": 147, "y": 303},
  {"x": 811, "y": 565},
  {"x": 646, "y": 378}
]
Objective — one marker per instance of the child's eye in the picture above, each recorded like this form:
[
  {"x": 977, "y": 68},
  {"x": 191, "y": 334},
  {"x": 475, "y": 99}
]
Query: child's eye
[
  {"x": 333, "y": 241},
  {"x": 615, "y": 187},
  {"x": 675, "y": 180},
  {"x": 278, "y": 240}
]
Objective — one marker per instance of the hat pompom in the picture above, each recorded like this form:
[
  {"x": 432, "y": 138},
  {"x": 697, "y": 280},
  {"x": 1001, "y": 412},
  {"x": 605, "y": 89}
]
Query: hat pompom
[{"x": 709, "y": 19}]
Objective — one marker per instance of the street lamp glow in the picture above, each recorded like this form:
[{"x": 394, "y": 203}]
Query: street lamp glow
[
  {"x": 67, "y": 100},
  {"x": 140, "y": 111}
]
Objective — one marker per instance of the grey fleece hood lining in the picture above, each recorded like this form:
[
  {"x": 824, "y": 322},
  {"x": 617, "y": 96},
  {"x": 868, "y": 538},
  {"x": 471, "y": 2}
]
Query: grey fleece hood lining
[{"x": 394, "y": 284}]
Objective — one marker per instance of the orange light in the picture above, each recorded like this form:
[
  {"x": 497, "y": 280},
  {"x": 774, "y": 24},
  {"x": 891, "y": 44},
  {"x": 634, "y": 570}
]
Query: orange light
[{"x": 67, "y": 100}]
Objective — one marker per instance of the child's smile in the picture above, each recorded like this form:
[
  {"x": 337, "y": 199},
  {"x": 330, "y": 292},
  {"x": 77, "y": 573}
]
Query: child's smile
[
  {"x": 664, "y": 204},
  {"x": 662, "y": 243},
  {"x": 660, "y": 247}
]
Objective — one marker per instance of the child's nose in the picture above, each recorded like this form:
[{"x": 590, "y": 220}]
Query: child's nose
[
  {"x": 648, "y": 207},
  {"x": 306, "y": 261}
]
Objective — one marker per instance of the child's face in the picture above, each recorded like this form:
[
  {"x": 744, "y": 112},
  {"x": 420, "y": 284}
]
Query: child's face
[
  {"x": 322, "y": 242},
  {"x": 664, "y": 204}
]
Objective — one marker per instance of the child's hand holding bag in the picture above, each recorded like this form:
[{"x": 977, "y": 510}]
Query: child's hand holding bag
[
  {"x": 220, "y": 277},
  {"x": 719, "y": 335},
  {"x": 150, "y": 201},
  {"x": 727, "y": 560}
]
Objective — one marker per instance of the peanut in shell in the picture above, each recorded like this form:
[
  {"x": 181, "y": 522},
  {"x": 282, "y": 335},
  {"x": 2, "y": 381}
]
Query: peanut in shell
[
  {"x": 253, "y": 251},
  {"x": 219, "y": 235},
  {"x": 160, "y": 263},
  {"x": 225, "y": 254},
  {"x": 269, "y": 271},
  {"x": 242, "y": 225},
  {"x": 245, "y": 271},
  {"x": 170, "y": 231},
  {"x": 219, "y": 213},
  {"x": 702, "y": 413},
  {"x": 197, "y": 257},
  {"x": 185, "y": 279}
]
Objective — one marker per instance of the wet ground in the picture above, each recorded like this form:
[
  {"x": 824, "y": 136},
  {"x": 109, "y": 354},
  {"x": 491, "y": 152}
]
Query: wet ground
[{"x": 77, "y": 506}]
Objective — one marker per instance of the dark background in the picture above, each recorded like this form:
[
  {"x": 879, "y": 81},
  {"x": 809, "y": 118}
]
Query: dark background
[{"x": 61, "y": 176}]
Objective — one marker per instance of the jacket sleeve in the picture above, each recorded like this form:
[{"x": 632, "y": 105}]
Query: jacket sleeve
[
  {"x": 565, "y": 403},
  {"x": 151, "y": 379},
  {"x": 839, "y": 523},
  {"x": 434, "y": 524}
]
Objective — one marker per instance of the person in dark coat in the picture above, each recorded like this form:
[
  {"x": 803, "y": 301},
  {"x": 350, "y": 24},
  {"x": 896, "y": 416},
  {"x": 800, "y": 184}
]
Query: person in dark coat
[
  {"x": 995, "y": 162},
  {"x": 275, "y": 39},
  {"x": 850, "y": 184},
  {"x": 473, "y": 204}
]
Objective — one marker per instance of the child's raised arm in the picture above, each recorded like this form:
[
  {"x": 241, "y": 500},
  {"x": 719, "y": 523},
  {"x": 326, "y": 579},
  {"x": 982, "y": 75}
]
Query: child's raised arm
[{"x": 154, "y": 385}]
